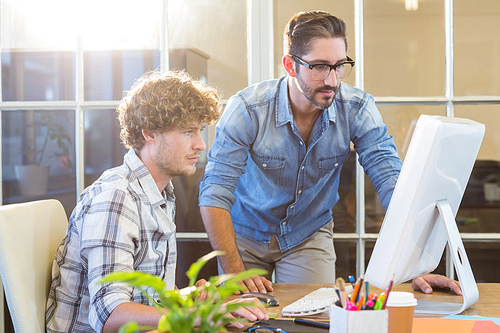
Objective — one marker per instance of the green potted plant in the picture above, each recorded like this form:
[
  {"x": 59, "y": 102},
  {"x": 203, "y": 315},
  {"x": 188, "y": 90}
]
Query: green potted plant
[
  {"x": 182, "y": 308},
  {"x": 45, "y": 139}
]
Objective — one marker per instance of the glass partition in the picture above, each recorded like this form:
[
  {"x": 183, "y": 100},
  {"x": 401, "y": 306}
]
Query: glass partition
[
  {"x": 346, "y": 258},
  {"x": 108, "y": 73},
  {"x": 484, "y": 258},
  {"x": 103, "y": 147},
  {"x": 404, "y": 48},
  {"x": 208, "y": 40},
  {"x": 480, "y": 206},
  {"x": 38, "y": 154},
  {"x": 476, "y": 41},
  {"x": 37, "y": 55},
  {"x": 38, "y": 75},
  {"x": 120, "y": 42}
]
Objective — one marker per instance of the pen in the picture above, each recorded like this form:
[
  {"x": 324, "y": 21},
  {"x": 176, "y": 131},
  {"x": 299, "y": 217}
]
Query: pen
[
  {"x": 343, "y": 299},
  {"x": 351, "y": 306},
  {"x": 361, "y": 303},
  {"x": 367, "y": 289},
  {"x": 357, "y": 287},
  {"x": 379, "y": 302},
  {"x": 388, "y": 291},
  {"x": 338, "y": 302},
  {"x": 359, "y": 290},
  {"x": 351, "y": 279},
  {"x": 311, "y": 323},
  {"x": 378, "y": 305}
]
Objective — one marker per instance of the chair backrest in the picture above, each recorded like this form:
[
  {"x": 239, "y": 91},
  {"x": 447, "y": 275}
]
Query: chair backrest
[{"x": 29, "y": 236}]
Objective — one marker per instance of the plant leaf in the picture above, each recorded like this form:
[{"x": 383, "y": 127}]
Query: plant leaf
[
  {"x": 163, "y": 324},
  {"x": 196, "y": 267},
  {"x": 185, "y": 308},
  {"x": 130, "y": 327}
]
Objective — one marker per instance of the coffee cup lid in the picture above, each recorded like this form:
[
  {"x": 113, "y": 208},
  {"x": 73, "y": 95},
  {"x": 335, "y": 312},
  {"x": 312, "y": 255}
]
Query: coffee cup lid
[{"x": 401, "y": 298}]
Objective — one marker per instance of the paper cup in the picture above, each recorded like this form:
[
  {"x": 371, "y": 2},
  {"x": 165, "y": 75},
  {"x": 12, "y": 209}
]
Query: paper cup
[{"x": 401, "y": 306}]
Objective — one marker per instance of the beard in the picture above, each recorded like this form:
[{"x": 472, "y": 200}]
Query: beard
[
  {"x": 310, "y": 93},
  {"x": 165, "y": 159}
]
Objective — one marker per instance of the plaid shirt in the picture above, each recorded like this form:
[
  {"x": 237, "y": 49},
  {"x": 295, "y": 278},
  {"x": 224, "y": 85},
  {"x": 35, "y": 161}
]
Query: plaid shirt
[{"x": 121, "y": 223}]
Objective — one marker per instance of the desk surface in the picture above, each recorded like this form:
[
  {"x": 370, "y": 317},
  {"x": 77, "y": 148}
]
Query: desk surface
[{"x": 488, "y": 304}]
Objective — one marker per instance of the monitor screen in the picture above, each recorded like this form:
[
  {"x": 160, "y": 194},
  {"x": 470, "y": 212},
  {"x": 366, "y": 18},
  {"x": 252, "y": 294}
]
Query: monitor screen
[{"x": 437, "y": 166}]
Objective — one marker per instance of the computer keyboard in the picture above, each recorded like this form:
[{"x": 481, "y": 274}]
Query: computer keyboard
[{"x": 313, "y": 303}]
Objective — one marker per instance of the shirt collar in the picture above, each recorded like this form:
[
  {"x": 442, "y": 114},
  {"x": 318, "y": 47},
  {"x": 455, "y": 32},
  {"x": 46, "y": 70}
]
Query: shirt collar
[
  {"x": 146, "y": 181},
  {"x": 283, "y": 109}
]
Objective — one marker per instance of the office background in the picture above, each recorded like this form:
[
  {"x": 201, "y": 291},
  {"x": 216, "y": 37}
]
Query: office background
[{"x": 65, "y": 65}]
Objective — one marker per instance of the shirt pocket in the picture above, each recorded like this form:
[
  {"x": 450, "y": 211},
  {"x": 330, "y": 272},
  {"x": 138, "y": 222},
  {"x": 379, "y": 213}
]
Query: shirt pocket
[
  {"x": 328, "y": 164},
  {"x": 271, "y": 167}
]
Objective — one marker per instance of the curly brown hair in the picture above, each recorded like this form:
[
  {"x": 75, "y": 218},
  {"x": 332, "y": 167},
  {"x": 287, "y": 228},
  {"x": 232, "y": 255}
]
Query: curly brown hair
[{"x": 162, "y": 101}]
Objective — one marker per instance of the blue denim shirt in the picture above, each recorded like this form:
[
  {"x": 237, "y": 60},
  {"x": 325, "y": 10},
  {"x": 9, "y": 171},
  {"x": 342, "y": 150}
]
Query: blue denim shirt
[{"x": 261, "y": 171}]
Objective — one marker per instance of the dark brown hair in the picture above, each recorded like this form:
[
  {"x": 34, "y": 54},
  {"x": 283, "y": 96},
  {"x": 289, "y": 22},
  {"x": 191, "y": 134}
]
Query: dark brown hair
[{"x": 304, "y": 27}]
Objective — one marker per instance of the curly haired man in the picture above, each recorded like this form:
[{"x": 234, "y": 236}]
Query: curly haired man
[{"x": 125, "y": 220}]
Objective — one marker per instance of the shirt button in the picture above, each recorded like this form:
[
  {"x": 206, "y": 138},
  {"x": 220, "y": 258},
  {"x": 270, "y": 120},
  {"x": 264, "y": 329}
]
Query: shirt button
[
  {"x": 283, "y": 223},
  {"x": 264, "y": 165},
  {"x": 301, "y": 143},
  {"x": 302, "y": 167},
  {"x": 291, "y": 207},
  {"x": 300, "y": 191},
  {"x": 336, "y": 164}
]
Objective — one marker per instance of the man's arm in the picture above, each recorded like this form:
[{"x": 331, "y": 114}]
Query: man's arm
[
  {"x": 376, "y": 149},
  {"x": 220, "y": 230},
  {"x": 144, "y": 315}
]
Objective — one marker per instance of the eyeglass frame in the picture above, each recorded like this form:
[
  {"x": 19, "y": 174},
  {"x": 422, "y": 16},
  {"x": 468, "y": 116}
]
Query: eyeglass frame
[
  {"x": 251, "y": 329},
  {"x": 332, "y": 67}
]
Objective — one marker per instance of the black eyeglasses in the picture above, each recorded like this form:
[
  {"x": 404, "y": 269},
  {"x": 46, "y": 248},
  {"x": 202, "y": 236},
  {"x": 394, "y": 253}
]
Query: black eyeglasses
[
  {"x": 320, "y": 71},
  {"x": 263, "y": 329}
]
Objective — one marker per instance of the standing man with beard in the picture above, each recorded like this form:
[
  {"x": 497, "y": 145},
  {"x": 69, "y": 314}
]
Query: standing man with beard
[{"x": 273, "y": 171}]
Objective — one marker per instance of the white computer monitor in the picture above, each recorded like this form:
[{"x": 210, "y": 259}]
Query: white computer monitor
[{"x": 420, "y": 219}]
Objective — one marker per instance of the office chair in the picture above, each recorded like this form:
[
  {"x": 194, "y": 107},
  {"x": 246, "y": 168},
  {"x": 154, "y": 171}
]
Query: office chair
[{"x": 29, "y": 236}]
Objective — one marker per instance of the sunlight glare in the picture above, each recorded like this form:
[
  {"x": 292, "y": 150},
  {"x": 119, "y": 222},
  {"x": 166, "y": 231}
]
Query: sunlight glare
[
  {"x": 102, "y": 24},
  {"x": 120, "y": 24}
]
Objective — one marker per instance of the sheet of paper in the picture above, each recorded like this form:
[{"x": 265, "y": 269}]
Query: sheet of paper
[
  {"x": 483, "y": 326},
  {"x": 439, "y": 325},
  {"x": 493, "y": 319}
]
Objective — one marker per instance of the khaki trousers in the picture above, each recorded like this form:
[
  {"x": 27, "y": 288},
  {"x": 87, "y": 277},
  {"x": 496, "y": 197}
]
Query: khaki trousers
[{"x": 312, "y": 261}]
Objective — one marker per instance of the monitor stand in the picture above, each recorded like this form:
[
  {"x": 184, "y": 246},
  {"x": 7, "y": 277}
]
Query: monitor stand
[{"x": 462, "y": 267}]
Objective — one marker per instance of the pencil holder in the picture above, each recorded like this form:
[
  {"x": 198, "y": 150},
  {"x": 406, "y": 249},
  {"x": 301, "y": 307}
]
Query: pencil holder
[{"x": 369, "y": 321}]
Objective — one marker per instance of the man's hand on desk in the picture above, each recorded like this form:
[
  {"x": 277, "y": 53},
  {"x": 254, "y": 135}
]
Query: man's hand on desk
[
  {"x": 253, "y": 310},
  {"x": 427, "y": 281},
  {"x": 257, "y": 284}
]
